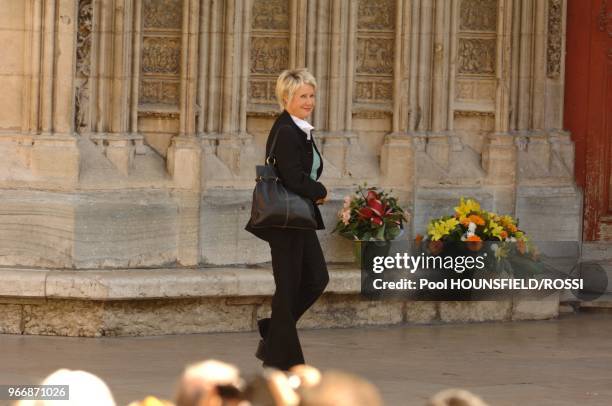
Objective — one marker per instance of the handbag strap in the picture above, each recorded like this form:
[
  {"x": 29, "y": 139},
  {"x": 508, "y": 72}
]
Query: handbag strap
[{"x": 274, "y": 144}]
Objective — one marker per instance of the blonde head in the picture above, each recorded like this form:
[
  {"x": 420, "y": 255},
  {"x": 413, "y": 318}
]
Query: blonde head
[{"x": 289, "y": 81}]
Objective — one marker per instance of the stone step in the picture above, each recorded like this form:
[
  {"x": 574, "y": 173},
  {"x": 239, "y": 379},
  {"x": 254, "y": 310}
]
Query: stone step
[
  {"x": 169, "y": 283},
  {"x": 603, "y": 302},
  {"x": 128, "y": 302}
]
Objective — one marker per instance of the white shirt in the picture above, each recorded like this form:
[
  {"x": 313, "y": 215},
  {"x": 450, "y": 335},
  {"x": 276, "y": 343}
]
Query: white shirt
[{"x": 304, "y": 125}]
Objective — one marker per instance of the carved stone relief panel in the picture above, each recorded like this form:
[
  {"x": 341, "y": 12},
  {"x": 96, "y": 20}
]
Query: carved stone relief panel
[
  {"x": 83, "y": 64},
  {"x": 271, "y": 15},
  {"x": 555, "y": 33},
  {"x": 375, "y": 54},
  {"x": 478, "y": 15},
  {"x": 162, "y": 14},
  {"x": 476, "y": 61},
  {"x": 269, "y": 55},
  {"x": 477, "y": 55},
  {"x": 376, "y": 15},
  {"x": 161, "y": 55},
  {"x": 269, "y": 51},
  {"x": 160, "y": 58},
  {"x": 373, "y": 91},
  {"x": 471, "y": 90},
  {"x": 159, "y": 92}
]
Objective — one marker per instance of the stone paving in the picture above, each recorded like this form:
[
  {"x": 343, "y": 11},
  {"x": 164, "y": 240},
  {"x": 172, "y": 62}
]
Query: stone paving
[{"x": 567, "y": 361}]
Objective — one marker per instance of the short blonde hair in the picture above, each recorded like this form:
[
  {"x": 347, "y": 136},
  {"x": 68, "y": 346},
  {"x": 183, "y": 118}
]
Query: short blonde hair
[{"x": 289, "y": 81}]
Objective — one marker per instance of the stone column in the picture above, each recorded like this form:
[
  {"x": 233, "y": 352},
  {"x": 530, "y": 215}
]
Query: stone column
[
  {"x": 32, "y": 68},
  {"x": 122, "y": 141},
  {"x": 546, "y": 151},
  {"x": 499, "y": 157},
  {"x": 562, "y": 147},
  {"x": 234, "y": 144},
  {"x": 48, "y": 68},
  {"x": 438, "y": 141},
  {"x": 55, "y": 155},
  {"x": 183, "y": 161},
  {"x": 297, "y": 33},
  {"x": 420, "y": 90},
  {"x": 319, "y": 13},
  {"x": 397, "y": 154},
  {"x": 184, "y": 153},
  {"x": 337, "y": 136},
  {"x": 104, "y": 78}
]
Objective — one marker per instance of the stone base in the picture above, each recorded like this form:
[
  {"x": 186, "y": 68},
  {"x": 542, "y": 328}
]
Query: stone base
[{"x": 180, "y": 301}]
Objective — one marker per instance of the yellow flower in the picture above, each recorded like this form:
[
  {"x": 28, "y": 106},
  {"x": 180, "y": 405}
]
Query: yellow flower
[
  {"x": 496, "y": 230},
  {"x": 466, "y": 207},
  {"x": 441, "y": 228},
  {"x": 507, "y": 220}
]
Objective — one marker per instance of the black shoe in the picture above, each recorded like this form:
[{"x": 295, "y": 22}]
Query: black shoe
[
  {"x": 262, "y": 326},
  {"x": 261, "y": 348}
]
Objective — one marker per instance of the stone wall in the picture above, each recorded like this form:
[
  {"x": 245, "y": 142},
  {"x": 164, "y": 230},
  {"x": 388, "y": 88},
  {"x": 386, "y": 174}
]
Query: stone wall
[{"x": 130, "y": 128}]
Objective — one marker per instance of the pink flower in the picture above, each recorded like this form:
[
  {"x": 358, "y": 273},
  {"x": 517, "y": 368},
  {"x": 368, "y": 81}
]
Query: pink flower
[
  {"x": 346, "y": 216},
  {"x": 347, "y": 202}
]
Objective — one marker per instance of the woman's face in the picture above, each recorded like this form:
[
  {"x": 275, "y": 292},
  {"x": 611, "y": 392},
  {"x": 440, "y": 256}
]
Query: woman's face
[{"x": 302, "y": 102}]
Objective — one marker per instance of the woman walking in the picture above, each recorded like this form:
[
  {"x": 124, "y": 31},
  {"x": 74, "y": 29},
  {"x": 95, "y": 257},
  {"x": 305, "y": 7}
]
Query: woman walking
[{"x": 300, "y": 272}]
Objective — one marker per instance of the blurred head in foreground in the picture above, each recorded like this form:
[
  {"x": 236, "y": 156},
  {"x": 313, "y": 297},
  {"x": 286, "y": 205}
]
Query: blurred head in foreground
[
  {"x": 271, "y": 388},
  {"x": 304, "y": 376},
  {"x": 151, "y": 401},
  {"x": 455, "y": 397},
  {"x": 210, "y": 383},
  {"x": 340, "y": 388},
  {"x": 84, "y": 389}
]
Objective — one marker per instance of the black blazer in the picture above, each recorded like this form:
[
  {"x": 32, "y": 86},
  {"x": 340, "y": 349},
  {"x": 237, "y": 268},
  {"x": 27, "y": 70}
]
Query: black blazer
[{"x": 293, "y": 153}]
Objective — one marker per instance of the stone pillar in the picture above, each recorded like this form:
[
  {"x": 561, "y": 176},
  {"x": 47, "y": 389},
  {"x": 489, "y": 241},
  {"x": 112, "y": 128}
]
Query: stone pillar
[
  {"x": 32, "y": 68},
  {"x": 136, "y": 67},
  {"x": 438, "y": 143},
  {"x": 424, "y": 85},
  {"x": 234, "y": 144},
  {"x": 546, "y": 151},
  {"x": 122, "y": 142},
  {"x": 499, "y": 155},
  {"x": 55, "y": 155},
  {"x": 104, "y": 79},
  {"x": 397, "y": 160},
  {"x": 183, "y": 161},
  {"x": 48, "y": 68},
  {"x": 337, "y": 138}
]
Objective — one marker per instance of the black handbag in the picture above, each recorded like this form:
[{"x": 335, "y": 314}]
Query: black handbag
[{"x": 276, "y": 206}]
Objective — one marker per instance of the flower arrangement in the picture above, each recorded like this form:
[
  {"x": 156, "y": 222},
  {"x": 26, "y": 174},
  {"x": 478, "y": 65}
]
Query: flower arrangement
[
  {"x": 473, "y": 225},
  {"x": 370, "y": 214}
]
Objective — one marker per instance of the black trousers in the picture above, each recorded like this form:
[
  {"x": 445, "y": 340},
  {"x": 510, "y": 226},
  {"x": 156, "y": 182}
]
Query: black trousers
[{"x": 300, "y": 275}]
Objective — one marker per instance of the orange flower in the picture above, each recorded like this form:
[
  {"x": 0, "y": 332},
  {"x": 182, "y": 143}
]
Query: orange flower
[
  {"x": 504, "y": 234},
  {"x": 473, "y": 218},
  {"x": 418, "y": 238},
  {"x": 474, "y": 243},
  {"x": 512, "y": 228},
  {"x": 521, "y": 247}
]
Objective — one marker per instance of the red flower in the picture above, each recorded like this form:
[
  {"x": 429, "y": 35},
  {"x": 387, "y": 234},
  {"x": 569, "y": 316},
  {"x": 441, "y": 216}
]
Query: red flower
[
  {"x": 372, "y": 195},
  {"x": 366, "y": 213},
  {"x": 377, "y": 220},
  {"x": 376, "y": 206}
]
